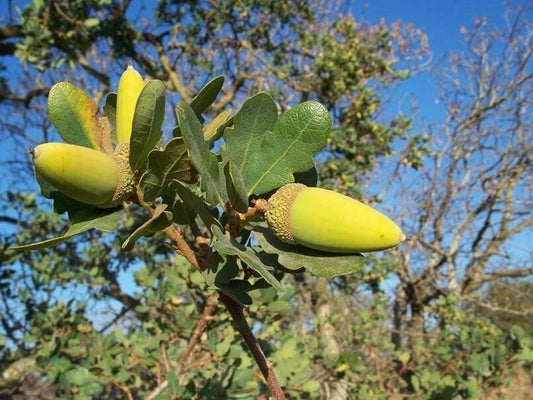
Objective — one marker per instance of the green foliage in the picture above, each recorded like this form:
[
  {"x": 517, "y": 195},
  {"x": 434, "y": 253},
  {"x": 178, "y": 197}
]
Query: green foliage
[
  {"x": 159, "y": 220},
  {"x": 147, "y": 122},
  {"x": 164, "y": 166},
  {"x": 295, "y": 258},
  {"x": 205, "y": 162},
  {"x": 82, "y": 221},
  {"x": 74, "y": 115},
  {"x": 507, "y": 304},
  {"x": 268, "y": 150}
]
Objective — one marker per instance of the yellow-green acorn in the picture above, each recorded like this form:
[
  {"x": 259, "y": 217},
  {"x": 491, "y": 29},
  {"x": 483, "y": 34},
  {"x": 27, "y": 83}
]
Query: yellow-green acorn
[
  {"x": 86, "y": 175},
  {"x": 324, "y": 220},
  {"x": 130, "y": 86}
]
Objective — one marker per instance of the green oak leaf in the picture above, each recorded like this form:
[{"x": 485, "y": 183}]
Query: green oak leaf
[
  {"x": 82, "y": 221},
  {"x": 235, "y": 187},
  {"x": 308, "y": 178},
  {"x": 147, "y": 121},
  {"x": 237, "y": 289},
  {"x": 215, "y": 128},
  {"x": 180, "y": 214},
  {"x": 79, "y": 376},
  {"x": 293, "y": 257},
  {"x": 159, "y": 220},
  {"x": 268, "y": 150},
  {"x": 207, "y": 95},
  {"x": 259, "y": 262},
  {"x": 75, "y": 116},
  {"x": 203, "y": 99},
  {"x": 193, "y": 202},
  {"x": 172, "y": 163},
  {"x": 173, "y": 383},
  {"x": 205, "y": 162}
]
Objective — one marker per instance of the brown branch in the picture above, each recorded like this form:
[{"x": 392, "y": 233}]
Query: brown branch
[
  {"x": 11, "y": 31},
  {"x": 239, "y": 322},
  {"x": 183, "y": 248},
  {"x": 507, "y": 273},
  {"x": 26, "y": 98},
  {"x": 234, "y": 308},
  {"x": 491, "y": 307},
  {"x": 175, "y": 81}
]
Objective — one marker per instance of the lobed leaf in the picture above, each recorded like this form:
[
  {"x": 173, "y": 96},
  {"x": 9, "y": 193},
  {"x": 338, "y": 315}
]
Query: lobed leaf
[
  {"x": 205, "y": 162},
  {"x": 207, "y": 95},
  {"x": 235, "y": 187},
  {"x": 83, "y": 220},
  {"x": 268, "y": 150},
  {"x": 259, "y": 262},
  {"x": 172, "y": 163},
  {"x": 193, "y": 202}
]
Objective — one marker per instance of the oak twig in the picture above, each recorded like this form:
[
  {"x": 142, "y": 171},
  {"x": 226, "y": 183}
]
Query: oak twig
[{"x": 234, "y": 308}]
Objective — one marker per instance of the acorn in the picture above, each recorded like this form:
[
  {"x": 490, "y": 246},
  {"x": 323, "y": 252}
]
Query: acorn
[
  {"x": 130, "y": 87},
  {"x": 328, "y": 221},
  {"x": 84, "y": 174}
]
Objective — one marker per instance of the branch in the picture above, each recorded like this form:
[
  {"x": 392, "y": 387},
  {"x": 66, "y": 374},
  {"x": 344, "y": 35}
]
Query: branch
[
  {"x": 234, "y": 308},
  {"x": 507, "y": 273},
  {"x": 176, "y": 82},
  {"x": 11, "y": 31},
  {"x": 6, "y": 94},
  {"x": 524, "y": 313}
]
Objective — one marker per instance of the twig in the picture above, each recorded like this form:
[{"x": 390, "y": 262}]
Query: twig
[
  {"x": 239, "y": 322},
  {"x": 209, "y": 310},
  {"x": 234, "y": 308}
]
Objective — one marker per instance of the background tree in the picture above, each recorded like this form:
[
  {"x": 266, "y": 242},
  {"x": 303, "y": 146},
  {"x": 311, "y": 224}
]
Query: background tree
[
  {"x": 472, "y": 196},
  {"x": 119, "y": 340}
]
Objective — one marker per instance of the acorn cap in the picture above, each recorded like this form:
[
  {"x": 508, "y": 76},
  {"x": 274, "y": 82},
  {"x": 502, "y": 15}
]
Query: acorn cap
[
  {"x": 126, "y": 181},
  {"x": 279, "y": 210}
]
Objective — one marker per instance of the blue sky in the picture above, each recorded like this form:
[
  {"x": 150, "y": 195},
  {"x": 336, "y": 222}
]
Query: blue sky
[{"x": 441, "y": 21}]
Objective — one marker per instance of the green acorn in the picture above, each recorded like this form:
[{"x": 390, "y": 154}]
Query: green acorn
[
  {"x": 86, "y": 175},
  {"x": 130, "y": 87},
  {"x": 328, "y": 221}
]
